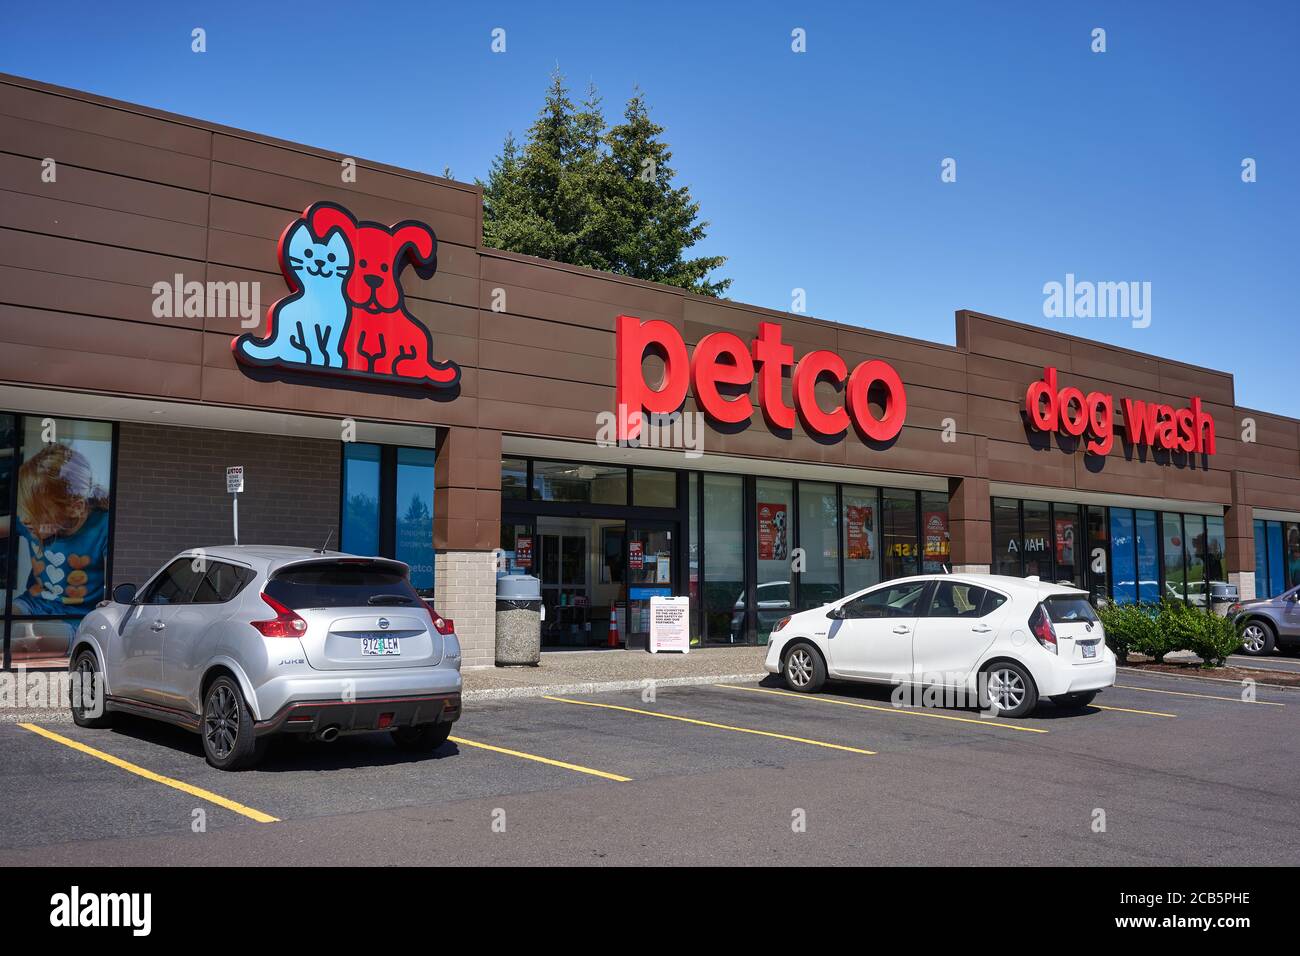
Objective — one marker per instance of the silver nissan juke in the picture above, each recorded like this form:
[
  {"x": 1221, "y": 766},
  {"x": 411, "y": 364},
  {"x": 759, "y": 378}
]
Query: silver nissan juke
[{"x": 238, "y": 643}]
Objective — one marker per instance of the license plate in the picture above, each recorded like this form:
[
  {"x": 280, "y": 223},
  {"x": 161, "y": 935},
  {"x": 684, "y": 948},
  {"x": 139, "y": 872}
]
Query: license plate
[
  {"x": 380, "y": 646},
  {"x": 1089, "y": 650}
]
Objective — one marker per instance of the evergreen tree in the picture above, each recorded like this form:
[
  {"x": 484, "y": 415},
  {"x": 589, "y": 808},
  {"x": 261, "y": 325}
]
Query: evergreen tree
[{"x": 598, "y": 198}]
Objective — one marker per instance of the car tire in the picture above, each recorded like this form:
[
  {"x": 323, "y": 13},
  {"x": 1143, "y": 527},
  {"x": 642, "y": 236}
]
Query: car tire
[
  {"x": 1075, "y": 702},
  {"x": 226, "y": 728},
  {"x": 802, "y": 668},
  {"x": 86, "y": 668},
  {"x": 423, "y": 738},
  {"x": 1007, "y": 689},
  {"x": 1257, "y": 638}
]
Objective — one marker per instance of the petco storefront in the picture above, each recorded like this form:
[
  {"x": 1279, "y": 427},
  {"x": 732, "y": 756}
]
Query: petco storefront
[{"x": 183, "y": 298}]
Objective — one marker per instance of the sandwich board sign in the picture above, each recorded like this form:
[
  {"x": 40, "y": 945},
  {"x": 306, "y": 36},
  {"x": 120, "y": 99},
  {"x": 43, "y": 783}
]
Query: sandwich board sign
[{"x": 670, "y": 620}]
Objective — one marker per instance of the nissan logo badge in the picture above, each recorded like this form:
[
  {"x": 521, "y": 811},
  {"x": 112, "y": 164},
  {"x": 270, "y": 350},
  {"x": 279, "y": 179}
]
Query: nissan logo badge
[{"x": 383, "y": 623}]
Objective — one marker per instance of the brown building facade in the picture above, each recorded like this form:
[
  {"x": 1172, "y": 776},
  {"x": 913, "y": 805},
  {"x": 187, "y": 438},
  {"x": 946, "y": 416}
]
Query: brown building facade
[{"x": 470, "y": 423}]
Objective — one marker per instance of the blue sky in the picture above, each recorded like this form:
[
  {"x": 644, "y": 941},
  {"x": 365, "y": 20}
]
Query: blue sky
[{"x": 820, "y": 170}]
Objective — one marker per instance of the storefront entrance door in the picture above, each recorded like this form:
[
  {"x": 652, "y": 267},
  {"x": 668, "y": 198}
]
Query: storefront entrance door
[{"x": 650, "y": 572}]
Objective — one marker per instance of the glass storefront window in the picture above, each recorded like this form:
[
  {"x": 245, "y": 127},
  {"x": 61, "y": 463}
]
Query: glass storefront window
[
  {"x": 1276, "y": 565},
  {"x": 1194, "y": 548},
  {"x": 1123, "y": 556},
  {"x": 360, "y": 531},
  {"x": 723, "y": 599},
  {"x": 8, "y": 466},
  {"x": 819, "y": 537},
  {"x": 1067, "y": 545},
  {"x": 514, "y": 478},
  {"x": 1216, "y": 543},
  {"x": 901, "y": 547},
  {"x": 1293, "y": 554},
  {"x": 936, "y": 540},
  {"x": 654, "y": 489},
  {"x": 693, "y": 551},
  {"x": 1148, "y": 556},
  {"x": 518, "y": 547},
  {"x": 861, "y": 546},
  {"x": 1261, "y": 560},
  {"x": 1098, "y": 551},
  {"x": 413, "y": 535},
  {"x": 774, "y": 508},
  {"x": 1006, "y": 536},
  {"x": 1037, "y": 550},
  {"x": 1175, "y": 555},
  {"x": 61, "y": 523},
  {"x": 574, "y": 482}
]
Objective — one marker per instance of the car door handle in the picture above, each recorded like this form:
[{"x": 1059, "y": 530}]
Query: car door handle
[
  {"x": 157, "y": 626},
  {"x": 902, "y": 629},
  {"x": 981, "y": 628}
]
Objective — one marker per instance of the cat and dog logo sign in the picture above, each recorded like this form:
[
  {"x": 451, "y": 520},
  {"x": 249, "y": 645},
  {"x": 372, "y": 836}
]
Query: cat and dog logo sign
[{"x": 345, "y": 314}]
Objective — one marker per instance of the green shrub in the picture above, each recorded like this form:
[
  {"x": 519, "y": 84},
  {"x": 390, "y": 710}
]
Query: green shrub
[
  {"x": 1156, "y": 630},
  {"x": 1132, "y": 628},
  {"x": 1212, "y": 638}
]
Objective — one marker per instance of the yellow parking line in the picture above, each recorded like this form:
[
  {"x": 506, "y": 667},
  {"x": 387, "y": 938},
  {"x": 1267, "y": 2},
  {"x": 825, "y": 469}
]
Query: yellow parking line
[
  {"x": 577, "y": 768},
  {"x": 983, "y": 722},
  {"x": 180, "y": 785},
  {"x": 706, "y": 723},
  {"x": 1129, "y": 710},
  {"x": 1183, "y": 693}
]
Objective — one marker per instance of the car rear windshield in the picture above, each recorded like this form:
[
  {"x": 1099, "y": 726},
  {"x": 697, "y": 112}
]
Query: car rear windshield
[
  {"x": 1069, "y": 609},
  {"x": 332, "y": 584}
]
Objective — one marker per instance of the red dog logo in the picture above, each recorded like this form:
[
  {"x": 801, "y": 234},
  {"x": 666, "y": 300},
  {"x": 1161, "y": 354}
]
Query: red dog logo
[{"x": 356, "y": 279}]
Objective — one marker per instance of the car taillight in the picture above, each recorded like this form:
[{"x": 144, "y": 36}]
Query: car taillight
[
  {"x": 286, "y": 623},
  {"x": 780, "y": 624},
  {"x": 443, "y": 625},
  {"x": 1234, "y": 608},
  {"x": 1041, "y": 625}
]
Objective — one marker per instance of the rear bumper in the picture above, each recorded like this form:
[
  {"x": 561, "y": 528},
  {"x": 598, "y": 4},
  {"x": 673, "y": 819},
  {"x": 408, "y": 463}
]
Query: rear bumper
[
  {"x": 308, "y": 686},
  {"x": 361, "y": 716},
  {"x": 1079, "y": 678}
]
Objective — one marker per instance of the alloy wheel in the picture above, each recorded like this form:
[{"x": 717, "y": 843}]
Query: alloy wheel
[
  {"x": 800, "y": 667},
  {"x": 221, "y": 721},
  {"x": 1252, "y": 638},
  {"x": 1005, "y": 689}
]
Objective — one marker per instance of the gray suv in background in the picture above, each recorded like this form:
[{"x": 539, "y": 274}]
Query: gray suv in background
[
  {"x": 1268, "y": 622},
  {"x": 240, "y": 643}
]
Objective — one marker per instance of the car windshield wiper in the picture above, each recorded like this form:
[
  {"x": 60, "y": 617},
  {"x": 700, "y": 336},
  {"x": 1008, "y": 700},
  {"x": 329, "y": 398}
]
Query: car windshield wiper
[{"x": 388, "y": 599}]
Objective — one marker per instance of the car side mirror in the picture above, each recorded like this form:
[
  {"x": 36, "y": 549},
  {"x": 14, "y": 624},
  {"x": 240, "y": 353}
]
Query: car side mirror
[
  {"x": 124, "y": 594},
  {"x": 836, "y": 614}
]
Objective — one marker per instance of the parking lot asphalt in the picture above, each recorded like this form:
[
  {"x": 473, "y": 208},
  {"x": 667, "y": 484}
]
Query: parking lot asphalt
[{"x": 1161, "y": 772}]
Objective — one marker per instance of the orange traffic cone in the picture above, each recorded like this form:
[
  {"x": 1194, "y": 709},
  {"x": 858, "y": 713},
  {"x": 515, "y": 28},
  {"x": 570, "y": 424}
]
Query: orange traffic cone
[{"x": 613, "y": 631}]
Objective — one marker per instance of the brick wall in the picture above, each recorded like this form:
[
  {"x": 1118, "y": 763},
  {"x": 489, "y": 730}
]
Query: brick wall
[
  {"x": 171, "y": 493},
  {"x": 465, "y": 590}
]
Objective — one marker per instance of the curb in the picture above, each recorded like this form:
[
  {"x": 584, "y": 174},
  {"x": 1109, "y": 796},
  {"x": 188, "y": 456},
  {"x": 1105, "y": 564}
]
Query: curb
[
  {"x": 602, "y": 687},
  {"x": 1217, "y": 680}
]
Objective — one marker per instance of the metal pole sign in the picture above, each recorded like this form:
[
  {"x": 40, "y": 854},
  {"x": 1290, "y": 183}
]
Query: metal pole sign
[{"x": 234, "y": 485}]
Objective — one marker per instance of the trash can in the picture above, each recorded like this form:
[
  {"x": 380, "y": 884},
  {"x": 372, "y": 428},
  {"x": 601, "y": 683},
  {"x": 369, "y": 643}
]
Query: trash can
[
  {"x": 519, "y": 620},
  {"x": 1222, "y": 597}
]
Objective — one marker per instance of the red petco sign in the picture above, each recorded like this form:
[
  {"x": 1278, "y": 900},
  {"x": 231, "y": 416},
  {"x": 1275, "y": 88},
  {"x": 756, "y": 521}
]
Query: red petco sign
[
  {"x": 1070, "y": 411},
  {"x": 723, "y": 360}
]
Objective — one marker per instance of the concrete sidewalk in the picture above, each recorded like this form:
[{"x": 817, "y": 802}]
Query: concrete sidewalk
[{"x": 588, "y": 672}]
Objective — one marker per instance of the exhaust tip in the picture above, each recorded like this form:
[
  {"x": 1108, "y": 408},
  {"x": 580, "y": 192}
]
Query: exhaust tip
[{"x": 328, "y": 735}]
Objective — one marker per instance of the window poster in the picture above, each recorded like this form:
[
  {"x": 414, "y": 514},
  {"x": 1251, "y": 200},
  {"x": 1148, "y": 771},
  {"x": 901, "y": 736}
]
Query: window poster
[
  {"x": 937, "y": 540},
  {"x": 524, "y": 551},
  {"x": 858, "y": 524},
  {"x": 62, "y": 517},
  {"x": 772, "y": 539},
  {"x": 1065, "y": 541}
]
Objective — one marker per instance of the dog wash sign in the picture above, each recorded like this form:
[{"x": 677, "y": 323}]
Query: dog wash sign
[{"x": 1091, "y": 418}]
